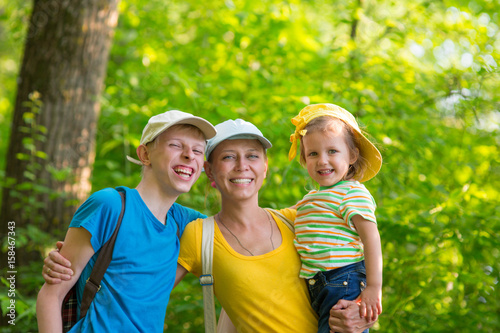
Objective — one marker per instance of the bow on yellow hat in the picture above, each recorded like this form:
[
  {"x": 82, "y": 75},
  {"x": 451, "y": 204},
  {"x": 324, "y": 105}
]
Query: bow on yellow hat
[{"x": 367, "y": 149}]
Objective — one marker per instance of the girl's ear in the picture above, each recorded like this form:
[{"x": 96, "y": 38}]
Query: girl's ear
[
  {"x": 208, "y": 171},
  {"x": 143, "y": 154},
  {"x": 354, "y": 156}
]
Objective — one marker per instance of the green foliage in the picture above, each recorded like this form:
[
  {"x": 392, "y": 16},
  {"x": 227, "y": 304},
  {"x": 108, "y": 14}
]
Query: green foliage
[
  {"x": 25, "y": 299},
  {"x": 420, "y": 76},
  {"x": 31, "y": 237},
  {"x": 13, "y": 17},
  {"x": 29, "y": 192}
]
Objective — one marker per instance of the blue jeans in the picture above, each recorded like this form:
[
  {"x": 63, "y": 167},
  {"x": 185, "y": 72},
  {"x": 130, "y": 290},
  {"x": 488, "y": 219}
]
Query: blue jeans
[{"x": 327, "y": 288}]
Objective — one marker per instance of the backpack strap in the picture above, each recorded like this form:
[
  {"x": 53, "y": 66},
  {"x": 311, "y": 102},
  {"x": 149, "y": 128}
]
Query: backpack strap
[
  {"x": 93, "y": 284},
  {"x": 207, "y": 279},
  {"x": 283, "y": 218}
]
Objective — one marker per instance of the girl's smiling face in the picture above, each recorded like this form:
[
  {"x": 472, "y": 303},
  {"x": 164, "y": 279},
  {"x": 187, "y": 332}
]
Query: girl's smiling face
[{"x": 327, "y": 155}]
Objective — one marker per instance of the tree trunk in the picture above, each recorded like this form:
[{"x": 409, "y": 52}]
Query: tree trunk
[{"x": 63, "y": 69}]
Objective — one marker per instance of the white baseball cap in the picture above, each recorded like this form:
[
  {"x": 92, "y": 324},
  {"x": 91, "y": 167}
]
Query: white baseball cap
[
  {"x": 235, "y": 129},
  {"x": 159, "y": 123}
]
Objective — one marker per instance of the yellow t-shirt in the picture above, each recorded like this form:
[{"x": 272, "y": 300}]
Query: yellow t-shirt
[{"x": 261, "y": 293}]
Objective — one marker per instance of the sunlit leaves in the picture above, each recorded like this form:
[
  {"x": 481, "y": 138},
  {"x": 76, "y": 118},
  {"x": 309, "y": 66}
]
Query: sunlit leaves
[{"x": 420, "y": 76}]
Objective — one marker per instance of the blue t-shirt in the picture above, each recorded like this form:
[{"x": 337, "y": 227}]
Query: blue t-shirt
[{"x": 136, "y": 287}]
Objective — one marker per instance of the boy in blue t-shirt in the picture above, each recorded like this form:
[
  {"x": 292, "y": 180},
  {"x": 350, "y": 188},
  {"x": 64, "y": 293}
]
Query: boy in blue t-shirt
[{"x": 171, "y": 152}]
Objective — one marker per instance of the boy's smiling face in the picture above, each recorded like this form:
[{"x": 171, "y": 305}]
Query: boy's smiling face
[{"x": 177, "y": 157}]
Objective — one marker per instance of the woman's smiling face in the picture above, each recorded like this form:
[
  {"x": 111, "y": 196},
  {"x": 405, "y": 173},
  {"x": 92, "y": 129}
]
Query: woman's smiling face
[{"x": 238, "y": 168}]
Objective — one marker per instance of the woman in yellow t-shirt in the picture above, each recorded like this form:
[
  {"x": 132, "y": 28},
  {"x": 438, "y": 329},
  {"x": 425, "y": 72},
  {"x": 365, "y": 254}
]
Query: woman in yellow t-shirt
[{"x": 255, "y": 266}]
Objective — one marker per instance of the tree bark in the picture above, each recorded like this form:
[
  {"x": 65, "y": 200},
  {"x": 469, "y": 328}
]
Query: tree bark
[{"x": 65, "y": 60}]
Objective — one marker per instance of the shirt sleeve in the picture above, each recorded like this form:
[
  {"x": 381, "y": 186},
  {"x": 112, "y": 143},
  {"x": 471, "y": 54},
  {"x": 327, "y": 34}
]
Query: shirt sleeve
[
  {"x": 99, "y": 216},
  {"x": 290, "y": 214},
  {"x": 358, "y": 201},
  {"x": 190, "y": 252},
  {"x": 183, "y": 215}
]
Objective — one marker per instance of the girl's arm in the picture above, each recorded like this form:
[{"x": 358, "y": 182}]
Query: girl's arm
[
  {"x": 371, "y": 297},
  {"x": 78, "y": 250}
]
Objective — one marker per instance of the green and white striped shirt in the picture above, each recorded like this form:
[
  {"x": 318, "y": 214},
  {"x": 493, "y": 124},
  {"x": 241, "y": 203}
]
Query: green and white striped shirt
[{"x": 325, "y": 235}]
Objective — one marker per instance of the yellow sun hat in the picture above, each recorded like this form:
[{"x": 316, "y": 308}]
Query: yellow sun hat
[{"x": 369, "y": 152}]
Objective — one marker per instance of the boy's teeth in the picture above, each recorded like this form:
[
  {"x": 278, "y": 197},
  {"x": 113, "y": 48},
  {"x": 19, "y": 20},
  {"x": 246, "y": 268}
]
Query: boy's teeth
[{"x": 185, "y": 172}]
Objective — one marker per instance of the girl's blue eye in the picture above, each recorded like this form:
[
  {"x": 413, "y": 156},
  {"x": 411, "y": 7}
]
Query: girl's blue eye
[
  {"x": 313, "y": 153},
  {"x": 332, "y": 151}
]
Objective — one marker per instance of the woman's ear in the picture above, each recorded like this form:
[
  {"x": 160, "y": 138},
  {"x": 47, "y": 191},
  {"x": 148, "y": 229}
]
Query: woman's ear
[
  {"x": 143, "y": 154},
  {"x": 208, "y": 171}
]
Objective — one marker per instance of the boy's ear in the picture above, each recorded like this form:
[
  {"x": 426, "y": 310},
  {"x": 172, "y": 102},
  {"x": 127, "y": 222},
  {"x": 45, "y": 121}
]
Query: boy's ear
[{"x": 143, "y": 154}]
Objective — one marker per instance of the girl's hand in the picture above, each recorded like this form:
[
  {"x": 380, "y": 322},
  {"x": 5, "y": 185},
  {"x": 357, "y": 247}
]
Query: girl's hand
[
  {"x": 56, "y": 267},
  {"x": 370, "y": 303}
]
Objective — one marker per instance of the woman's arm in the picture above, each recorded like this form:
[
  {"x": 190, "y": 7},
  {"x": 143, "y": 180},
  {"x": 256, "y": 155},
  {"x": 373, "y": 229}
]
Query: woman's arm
[
  {"x": 78, "y": 250},
  {"x": 371, "y": 297},
  {"x": 224, "y": 324},
  {"x": 179, "y": 274}
]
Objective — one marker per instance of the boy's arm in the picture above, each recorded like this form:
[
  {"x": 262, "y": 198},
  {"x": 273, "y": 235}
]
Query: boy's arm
[
  {"x": 56, "y": 268},
  {"x": 78, "y": 250},
  {"x": 370, "y": 237}
]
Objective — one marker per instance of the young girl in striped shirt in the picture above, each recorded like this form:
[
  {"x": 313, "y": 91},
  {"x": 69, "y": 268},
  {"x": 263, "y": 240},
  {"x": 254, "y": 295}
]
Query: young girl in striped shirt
[{"x": 336, "y": 229}]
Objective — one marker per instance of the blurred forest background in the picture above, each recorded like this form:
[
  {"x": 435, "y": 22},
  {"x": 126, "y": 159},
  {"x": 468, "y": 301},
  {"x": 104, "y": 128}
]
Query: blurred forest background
[{"x": 421, "y": 77}]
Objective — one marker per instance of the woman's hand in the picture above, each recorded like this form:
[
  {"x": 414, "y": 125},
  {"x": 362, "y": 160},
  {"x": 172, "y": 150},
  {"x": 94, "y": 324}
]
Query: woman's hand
[
  {"x": 56, "y": 267},
  {"x": 345, "y": 318}
]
